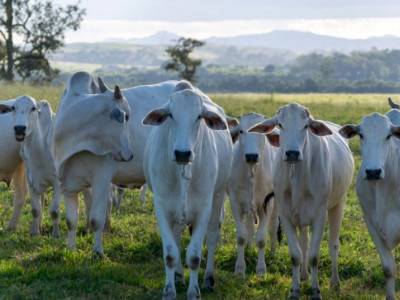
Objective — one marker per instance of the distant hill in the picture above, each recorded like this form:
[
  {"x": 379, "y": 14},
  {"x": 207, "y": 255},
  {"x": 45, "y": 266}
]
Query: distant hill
[
  {"x": 306, "y": 41},
  {"x": 159, "y": 38}
]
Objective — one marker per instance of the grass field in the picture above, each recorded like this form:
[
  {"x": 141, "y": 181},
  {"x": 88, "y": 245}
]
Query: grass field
[{"x": 41, "y": 268}]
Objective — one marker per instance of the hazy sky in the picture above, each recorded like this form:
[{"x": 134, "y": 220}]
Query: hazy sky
[{"x": 205, "y": 18}]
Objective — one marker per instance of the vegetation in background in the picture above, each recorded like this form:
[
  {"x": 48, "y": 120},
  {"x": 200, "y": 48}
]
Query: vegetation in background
[
  {"x": 41, "y": 26},
  {"x": 180, "y": 60},
  {"x": 41, "y": 268}
]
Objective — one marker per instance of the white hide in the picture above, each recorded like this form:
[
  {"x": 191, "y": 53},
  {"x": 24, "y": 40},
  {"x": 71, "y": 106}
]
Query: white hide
[
  {"x": 249, "y": 183},
  {"x": 32, "y": 121},
  {"x": 89, "y": 134},
  {"x": 188, "y": 189},
  {"x": 312, "y": 172},
  {"x": 12, "y": 168},
  {"x": 377, "y": 186}
]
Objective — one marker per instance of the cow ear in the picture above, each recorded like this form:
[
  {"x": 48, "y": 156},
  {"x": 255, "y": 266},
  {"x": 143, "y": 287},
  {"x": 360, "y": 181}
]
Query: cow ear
[
  {"x": 273, "y": 138},
  {"x": 265, "y": 127},
  {"x": 234, "y": 134},
  {"x": 4, "y": 109},
  {"x": 213, "y": 120},
  {"x": 232, "y": 122},
  {"x": 348, "y": 131},
  {"x": 395, "y": 131},
  {"x": 319, "y": 128},
  {"x": 156, "y": 117}
]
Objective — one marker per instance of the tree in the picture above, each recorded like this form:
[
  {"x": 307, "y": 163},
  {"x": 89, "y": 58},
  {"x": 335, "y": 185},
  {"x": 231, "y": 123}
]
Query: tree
[
  {"x": 41, "y": 27},
  {"x": 181, "y": 62}
]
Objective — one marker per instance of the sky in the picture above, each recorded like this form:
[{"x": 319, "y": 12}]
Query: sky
[{"x": 206, "y": 18}]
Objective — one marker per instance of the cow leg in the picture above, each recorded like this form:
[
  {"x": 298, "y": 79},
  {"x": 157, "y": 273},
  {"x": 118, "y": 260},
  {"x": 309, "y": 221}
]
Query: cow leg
[
  {"x": 170, "y": 249},
  {"x": 37, "y": 211},
  {"x": 107, "y": 222},
  {"x": 72, "y": 212},
  {"x": 179, "y": 273},
  {"x": 388, "y": 263},
  {"x": 87, "y": 197},
  {"x": 55, "y": 209},
  {"x": 261, "y": 239},
  {"x": 20, "y": 191},
  {"x": 241, "y": 235},
  {"x": 249, "y": 221},
  {"x": 98, "y": 212},
  {"x": 295, "y": 256},
  {"x": 213, "y": 238},
  {"x": 313, "y": 254},
  {"x": 304, "y": 244},
  {"x": 143, "y": 190},
  {"x": 335, "y": 216},
  {"x": 273, "y": 225}
]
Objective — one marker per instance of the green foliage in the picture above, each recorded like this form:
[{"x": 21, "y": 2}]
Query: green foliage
[
  {"x": 41, "y": 267},
  {"x": 41, "y": 25},
  {"x": 180, "y": 60}
]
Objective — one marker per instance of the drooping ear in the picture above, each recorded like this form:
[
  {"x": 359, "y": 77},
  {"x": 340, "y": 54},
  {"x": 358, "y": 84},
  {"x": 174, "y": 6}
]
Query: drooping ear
[
  {"x": 234, "y": 134},
  {"x": 213, "y": 120},
  {"x": 395, "y": 131},
  {"x": 265, "y": 127},
  {"x": 117, "y": 93},
  {"x": 319, "y": 128},
  {"x": 392, "y": 104},
  {"x": 157, "y": 116},
  {"x": 232, "y": 122},
  {"x": 4, "y": 109},
  {"x": 348, "y": 131},
  {"x": 102, "y": 85},
  {"x": 273, "y": 138}
]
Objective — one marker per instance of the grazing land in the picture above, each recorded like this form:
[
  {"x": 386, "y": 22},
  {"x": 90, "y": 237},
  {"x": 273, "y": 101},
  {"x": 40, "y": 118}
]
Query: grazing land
[{"x": 41, "y": 268}]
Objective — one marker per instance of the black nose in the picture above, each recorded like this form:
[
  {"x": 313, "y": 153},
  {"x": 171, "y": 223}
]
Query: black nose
[
  {"x": 373, "y": 173},
  {"x": 182, "y": 156},
  {"x": 252, "y": 157},
  {"x": 292, "y": 155},
  {"x": 19, "y": 129}
]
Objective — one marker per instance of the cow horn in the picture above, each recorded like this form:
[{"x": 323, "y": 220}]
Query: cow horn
[
  {"x": 102, "y": 85},
  {"x": 392, "y": 104},
  {"x": 117, "y": 92}
]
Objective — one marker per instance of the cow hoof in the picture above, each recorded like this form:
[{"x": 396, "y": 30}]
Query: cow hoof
[
  {"x": 262, "y": 271},
  {"x": 169, "y": 293},
  {"x": 294, "y": 294},
  {"x": 56, "y": 234},
  {"x": 208, "y": 283},
  {"x": 240, "y": 270},
  {"x": 194, "y": 294},
  {"x": 99, "y": 253},
  {"x": 316, "y": 294},
  {"x": 304, "y": 276},
  {"x": 34, "y": 233},
  {"x": 335, "y": 287}
]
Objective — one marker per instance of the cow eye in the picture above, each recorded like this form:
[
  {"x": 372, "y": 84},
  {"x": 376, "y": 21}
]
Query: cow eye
[
  {"x": 199, "y": 117},
  {"x": 13, "y": 107},
  {"x": 170, "y": 115},
  {"x": 305, "y": 127},
  {"x": 388, "y": 137},
  {"x": 240, "y": 131},
  {"x": 33, "y": 108},
  {"x": 280, "y": 125},
  {"x": 126, "y": 118},
  {"x": 361, "y": 136}
]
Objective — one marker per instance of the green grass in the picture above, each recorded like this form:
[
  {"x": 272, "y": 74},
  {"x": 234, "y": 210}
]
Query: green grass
[{"x": 41, "y": 267}]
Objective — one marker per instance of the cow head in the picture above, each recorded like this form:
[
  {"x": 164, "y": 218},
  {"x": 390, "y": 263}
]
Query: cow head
[
  {"x": 184, "y": 114},
  {"x": 375, "y": 132},
  {"x": 294, "y": 122},
  {"x": 251, "y": 144},
  {"x": 25, "y": 114}
]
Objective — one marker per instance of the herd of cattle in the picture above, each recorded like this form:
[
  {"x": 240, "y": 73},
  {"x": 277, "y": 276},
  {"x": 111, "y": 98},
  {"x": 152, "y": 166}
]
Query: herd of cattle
[{"x": 173, "y": 138}]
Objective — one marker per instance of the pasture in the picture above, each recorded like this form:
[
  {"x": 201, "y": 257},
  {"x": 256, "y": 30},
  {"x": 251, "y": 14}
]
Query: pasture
[{"x": 41, "y": 268}]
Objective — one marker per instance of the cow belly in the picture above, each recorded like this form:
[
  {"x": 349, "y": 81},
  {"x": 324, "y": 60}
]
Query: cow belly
[{"x": 392, "y": 229}]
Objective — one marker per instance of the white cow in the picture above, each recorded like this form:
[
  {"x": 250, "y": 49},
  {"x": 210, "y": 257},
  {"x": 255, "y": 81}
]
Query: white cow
[
  {"x": 187, "y": 161},
  {"x": 88, "y": 136},
  {"x": 32, "y": 122},
  {"x": 12, "y": 168},
  {"x": 377, "y": 186},
  {"x": 250, "y": 182},
  {"x": 312, "y": 172}
]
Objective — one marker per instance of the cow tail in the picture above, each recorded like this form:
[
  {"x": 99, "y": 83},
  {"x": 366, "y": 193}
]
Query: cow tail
[
  {"x": 266, "y": 200},
  {"x": 279, "y": 231}
]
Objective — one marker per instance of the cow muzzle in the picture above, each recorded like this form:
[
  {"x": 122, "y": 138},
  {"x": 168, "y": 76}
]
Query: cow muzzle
[
  {"x": 251, "y": 158},
  {"x": 182, "y": 157},
  {"x": 373, "y": 174},
  {"x": 19, "y": 132},
  {"x": 292, "y": 156}
]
